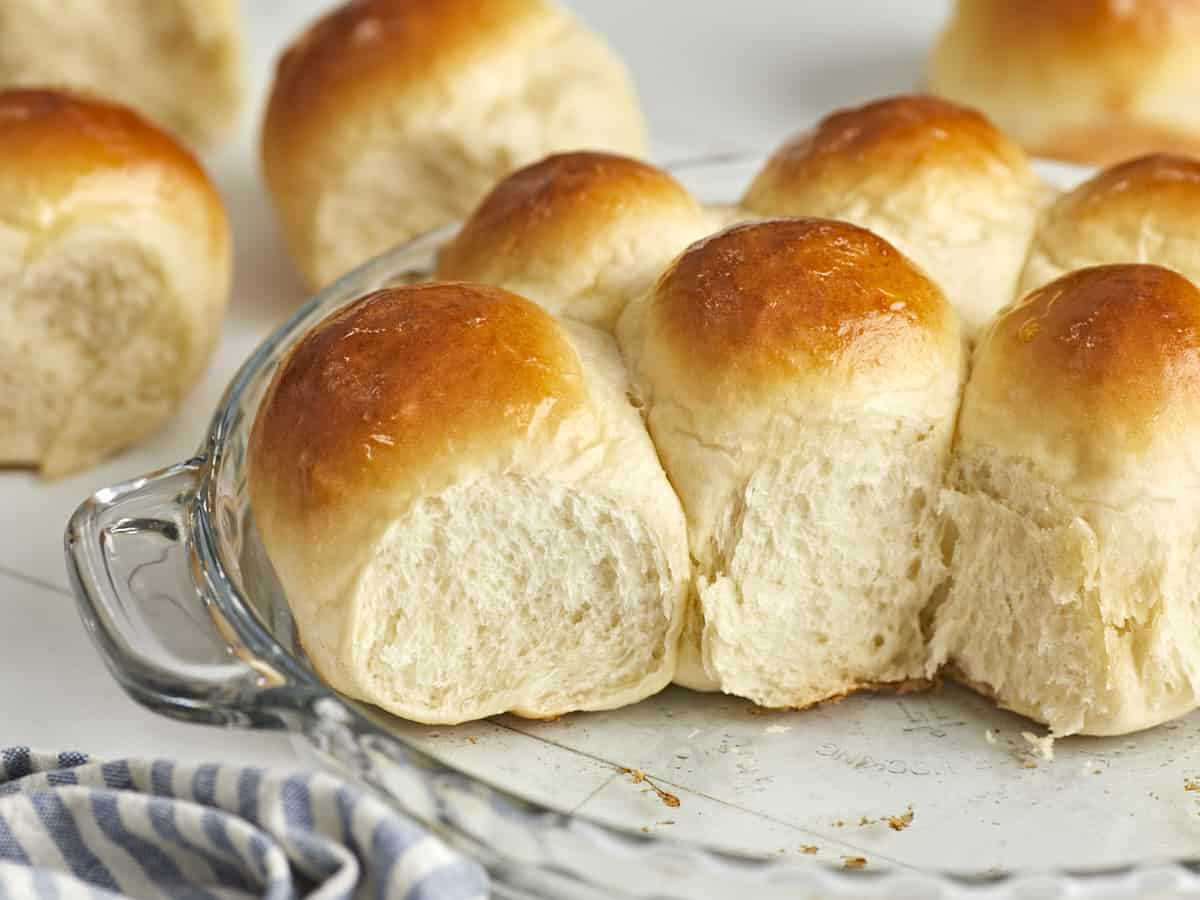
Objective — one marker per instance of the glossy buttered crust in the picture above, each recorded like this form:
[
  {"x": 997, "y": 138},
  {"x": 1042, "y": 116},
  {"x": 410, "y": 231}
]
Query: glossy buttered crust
[
  {"x": 561, "y": 202},
  {"x": 1127, "y": 68},
  {"x": 761, "y": 307},
  {"x": 1109, "y": 357},
  {"x": 881, "y": 142},
  {"x": 580, "y": 233},
  {"x": 402, "y": 387},
  {"x": 55, "y": 145}
]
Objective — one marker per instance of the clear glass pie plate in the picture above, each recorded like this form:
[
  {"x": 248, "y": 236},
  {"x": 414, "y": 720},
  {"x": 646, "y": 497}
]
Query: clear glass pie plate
[{"x": 684, "y": 796}]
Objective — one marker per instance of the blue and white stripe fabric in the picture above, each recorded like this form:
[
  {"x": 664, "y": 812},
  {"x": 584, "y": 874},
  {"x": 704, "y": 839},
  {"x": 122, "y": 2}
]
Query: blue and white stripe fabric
[{"x": 73, "y": 828}]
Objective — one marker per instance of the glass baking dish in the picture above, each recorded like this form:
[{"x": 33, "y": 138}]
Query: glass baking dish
[{"x": 683, "y": 796}]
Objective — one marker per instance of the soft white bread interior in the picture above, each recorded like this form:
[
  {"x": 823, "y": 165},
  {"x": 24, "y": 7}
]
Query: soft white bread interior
[
  {"x": 178, "y": 62},
  {"x": 1091, "y": 81},
  {"x": 580, "y": 233},
  {"x": 801, "y": 379},
  {"x": 1073, "y": 505},
  {"x": 114, "y": 273},
  {"x": 466, "y": 511},
  {"x": 391, "y": 117},
  {"x": 935, "y": 179},
  {"x": 1145, "y": 210}
]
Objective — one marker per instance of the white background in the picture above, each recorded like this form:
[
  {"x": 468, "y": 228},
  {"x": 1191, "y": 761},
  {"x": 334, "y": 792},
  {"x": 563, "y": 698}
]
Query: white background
[{"x": 713, "y": 76}]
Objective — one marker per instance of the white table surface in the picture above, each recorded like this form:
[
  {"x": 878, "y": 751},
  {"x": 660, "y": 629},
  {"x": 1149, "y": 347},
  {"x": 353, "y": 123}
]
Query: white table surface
[{"x": 713, "y": 76}]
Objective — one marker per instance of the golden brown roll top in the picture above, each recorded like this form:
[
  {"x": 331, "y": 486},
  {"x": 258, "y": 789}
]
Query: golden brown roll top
[
  {"x": 1152, "y": 185},
  {"x": 403, "y": 383},
  {"x": 69, "y": 148},
  {"x": 888, "y": 138},
  {"x": 1093, "y": 81},
  {"x": 1145, "y": 210},
  {"x": 1109, "y": 359},
  {"x": 115, "y": 263},
  {"x": 800, "y": 308},
  {"x": 366, "y": 46},
  {"x": 391, "y": 117},
  {"x": 581, "y": 233},
  {"x": 934, "y": 178}
]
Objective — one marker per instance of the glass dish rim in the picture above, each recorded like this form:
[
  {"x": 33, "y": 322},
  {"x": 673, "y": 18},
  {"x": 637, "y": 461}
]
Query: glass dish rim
[{"x": 303, "y": 689}]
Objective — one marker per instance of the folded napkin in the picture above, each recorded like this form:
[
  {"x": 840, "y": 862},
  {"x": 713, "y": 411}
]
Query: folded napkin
[{"x": 71, "y": 827}]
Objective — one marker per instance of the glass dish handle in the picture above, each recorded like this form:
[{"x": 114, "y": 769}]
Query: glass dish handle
[{"x": 130, "y": 555}]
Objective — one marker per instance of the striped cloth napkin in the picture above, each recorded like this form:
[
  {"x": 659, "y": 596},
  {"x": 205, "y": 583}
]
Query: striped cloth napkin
[{"x": 74, "y": 828}]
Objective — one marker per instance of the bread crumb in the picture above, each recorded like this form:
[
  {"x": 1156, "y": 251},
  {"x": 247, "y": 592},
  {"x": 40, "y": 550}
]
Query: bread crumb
[
  {"x": 864, "y": 822},
  {"x": 473, "y": 740},
  {"x": 854, "y": 862},
  {"x": 839, "y": 824},
  {"x": 1042, "y": 746},
  {"x": 646, "y": 829},
  {"x": 1029, "y": 764},
  {"x": 808, "y": 849},
  {"x": 637, "y": 776},
  {"x": 990, "y": 736},
  {"x": 902, "y": 821},
  {"x": 1191, "y": 784},
  {"x": 665, "y": 822}
]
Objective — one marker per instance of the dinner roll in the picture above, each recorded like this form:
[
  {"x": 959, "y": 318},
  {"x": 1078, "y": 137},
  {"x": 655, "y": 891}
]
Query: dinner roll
[
  {"x": 1093, "y": 81},
  {"x": 391, "y": 117},
  {"x": 933, "y": 178},
  {"x": 1146, "y": 210},
  {"x": 114, "y": 273},
  {"x": 1073, "y": 496},
  {"x": 580, "y": 233},
  {"x": 465, "y": 510},
  {"x": 177, "y": 62},
  {"x": 801, "y": 379}
]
